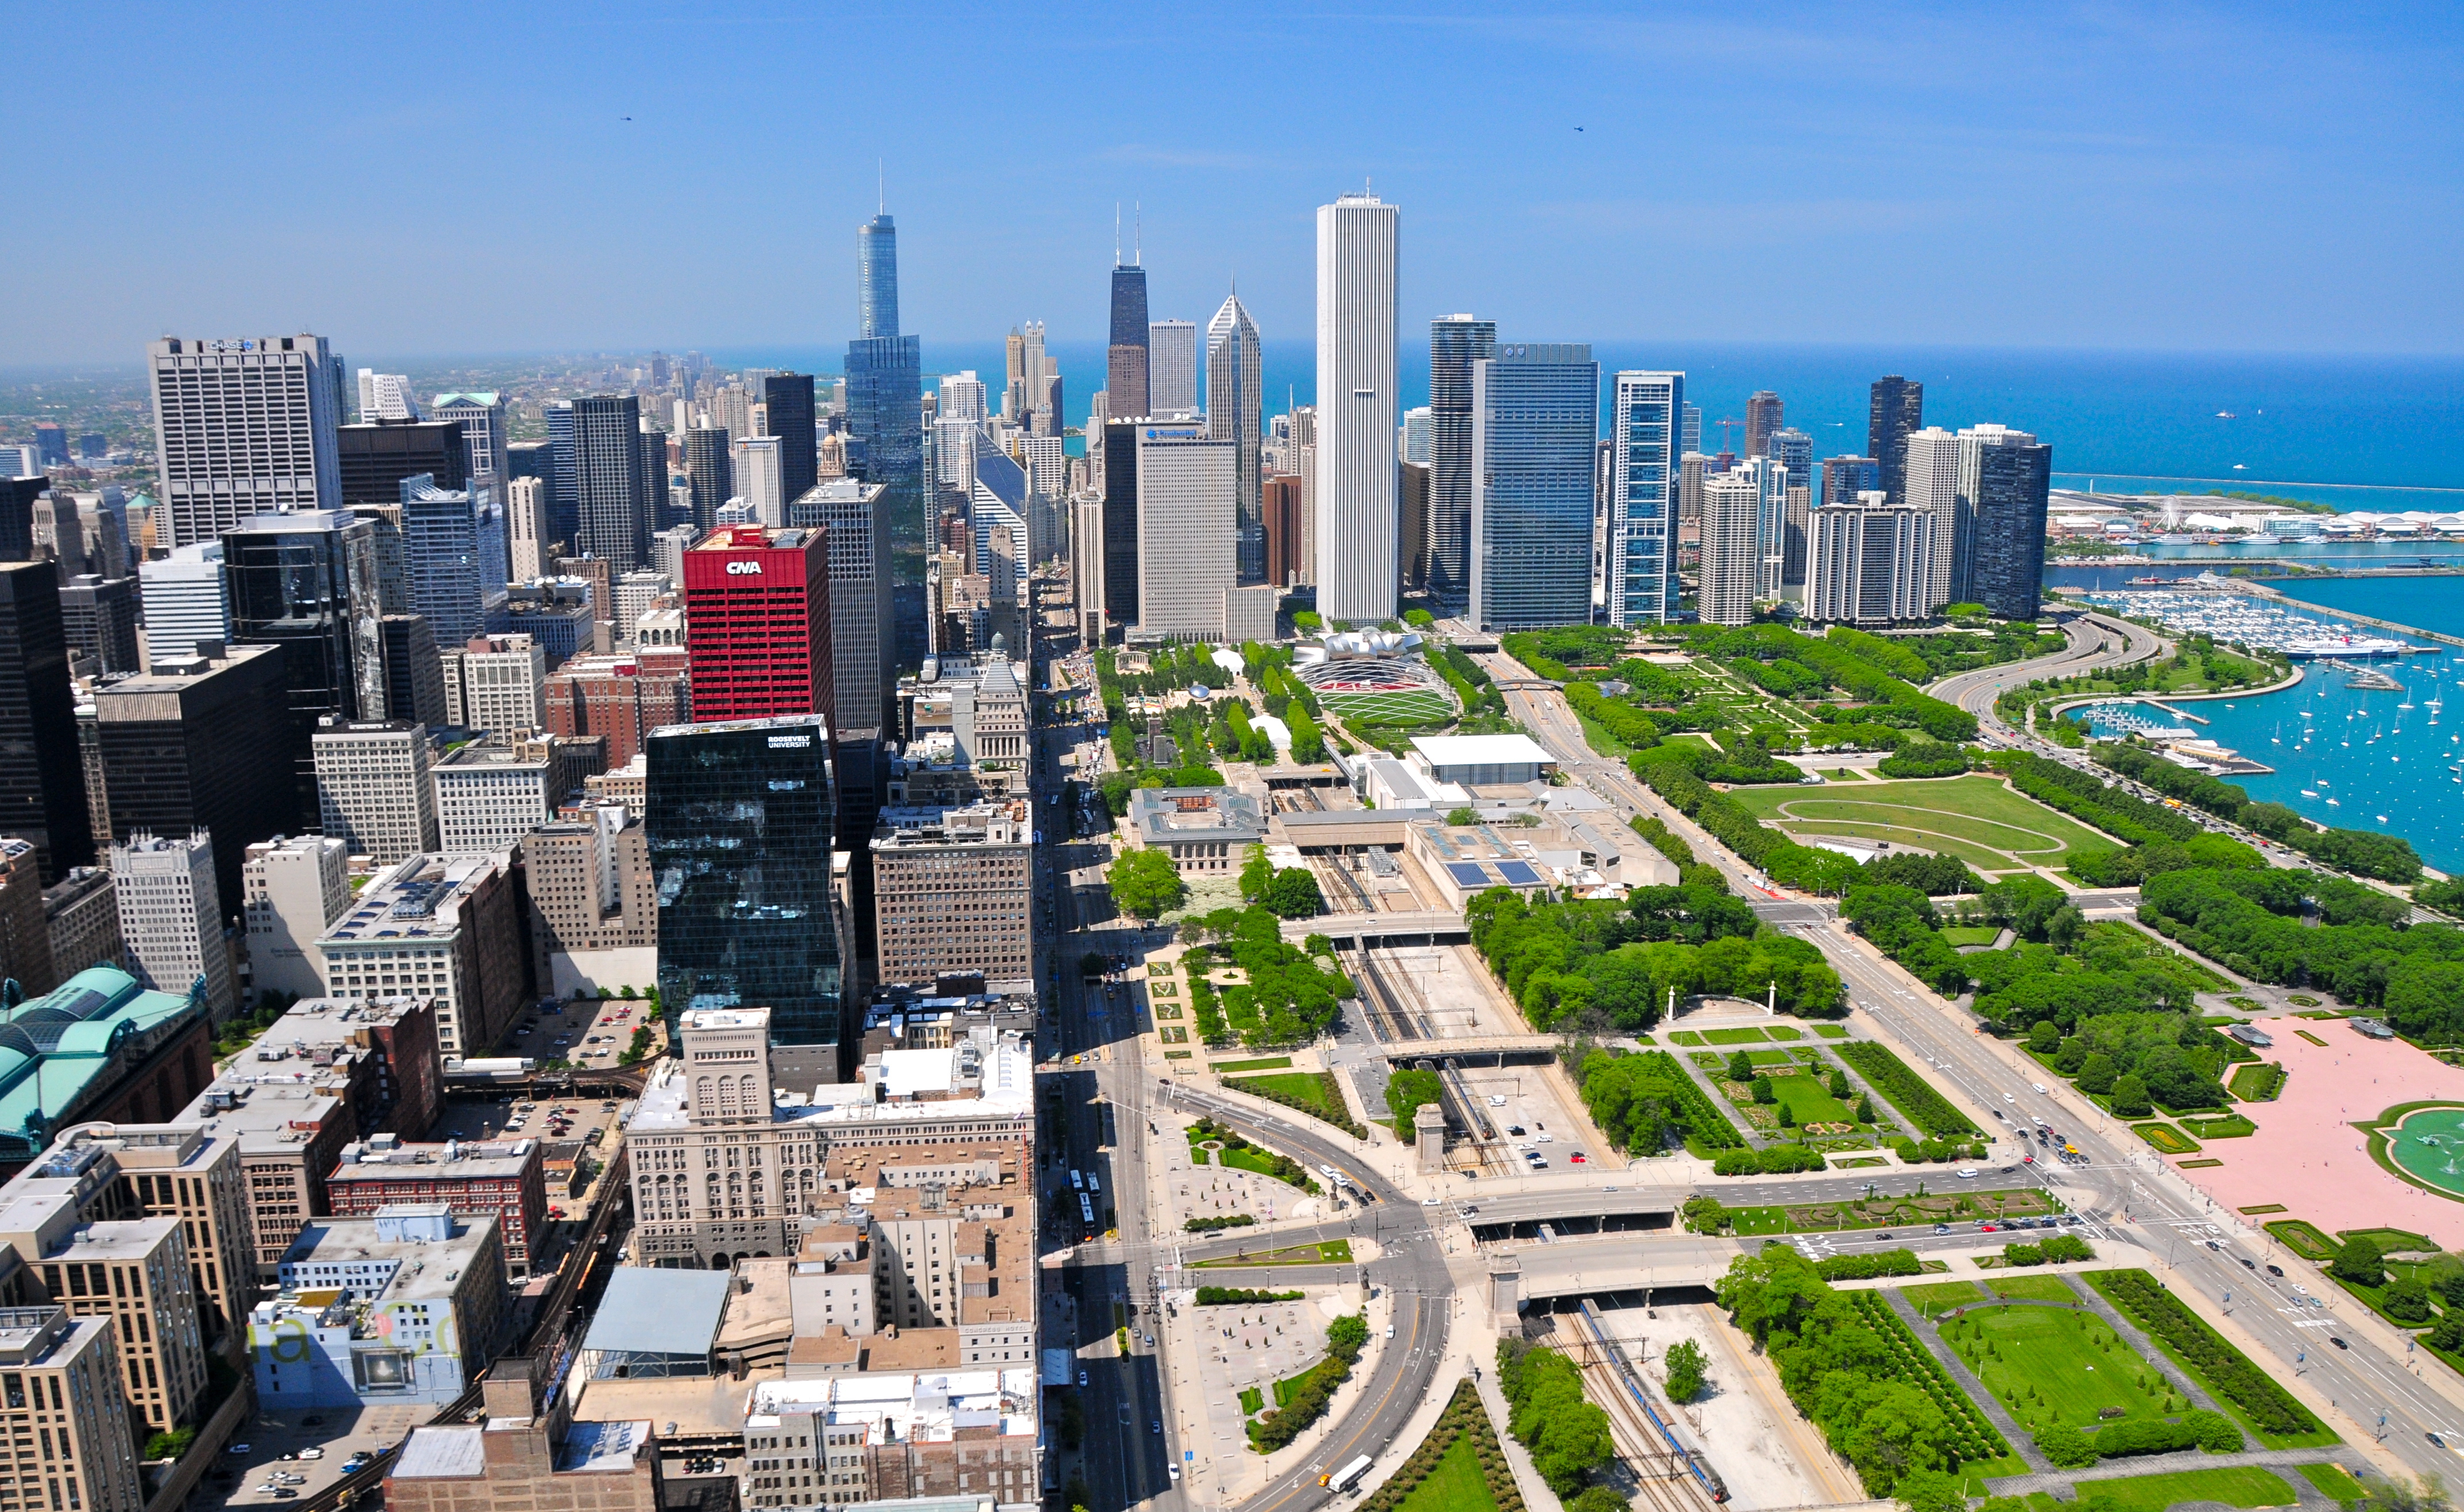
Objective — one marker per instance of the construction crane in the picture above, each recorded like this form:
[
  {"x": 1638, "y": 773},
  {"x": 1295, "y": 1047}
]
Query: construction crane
[{"x": 1727, "y": 436}]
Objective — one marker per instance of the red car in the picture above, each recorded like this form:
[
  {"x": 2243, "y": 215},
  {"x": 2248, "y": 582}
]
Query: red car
[{"x": 1576, "y": 1159}]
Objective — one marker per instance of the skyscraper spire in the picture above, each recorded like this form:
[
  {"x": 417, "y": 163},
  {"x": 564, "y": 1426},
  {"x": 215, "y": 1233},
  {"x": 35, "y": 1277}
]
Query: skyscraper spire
[
  {"x": 1137, "y": 234},
  {"x": 1116, "y": 233},
  {"x": 881, "y": 172}
]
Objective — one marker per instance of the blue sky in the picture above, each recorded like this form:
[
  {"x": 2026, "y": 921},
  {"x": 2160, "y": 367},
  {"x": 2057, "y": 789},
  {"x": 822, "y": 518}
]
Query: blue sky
[{"x": 423, "y": 180}]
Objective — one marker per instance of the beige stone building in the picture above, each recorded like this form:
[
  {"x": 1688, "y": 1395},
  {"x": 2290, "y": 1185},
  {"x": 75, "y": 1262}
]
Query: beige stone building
[{"x": 60, "y": 1389}]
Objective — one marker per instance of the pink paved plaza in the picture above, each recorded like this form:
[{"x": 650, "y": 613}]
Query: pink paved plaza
[{"x": 2307, "y": 1154}]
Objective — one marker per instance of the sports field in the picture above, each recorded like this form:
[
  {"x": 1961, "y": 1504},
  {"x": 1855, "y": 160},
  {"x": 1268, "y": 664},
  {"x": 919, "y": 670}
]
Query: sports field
[
  {"x": 1975, "y": 818},
  {"x": 2052, "y": 1365}
]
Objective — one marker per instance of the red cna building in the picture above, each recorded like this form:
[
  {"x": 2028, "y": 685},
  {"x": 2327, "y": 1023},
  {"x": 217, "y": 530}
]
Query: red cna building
[
  {"x": 620, "y": 697},
  {"x": 758, "y": 624}
]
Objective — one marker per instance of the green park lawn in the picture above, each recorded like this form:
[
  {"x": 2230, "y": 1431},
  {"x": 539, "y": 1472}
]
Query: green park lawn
[
  {"x": 1942, "y": 1296},
  {"x": 1831, "y": 1031},
  {"x": 2056, "y": 1365},
  {"x": 1970, "y": 935},
  {"x": 2032, "y": 1288},
  {"x": 2334, "y": 1481},
  {"x": 1804, "y": 1098},
  {"x": 1734, "y": 1036},
  {"x": 1455, "y": 1485},
  {"x": 2231, "y": 1127},
  {"x": 1978, "y": 819},
  {"x": 2236, "y": 1486},
  {"x": 1315, "y": 1088},
  {"x": 1272, "y": 1062}
]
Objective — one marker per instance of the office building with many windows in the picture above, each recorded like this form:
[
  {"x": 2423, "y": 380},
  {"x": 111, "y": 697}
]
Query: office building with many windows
[
  {"x": 1358, "y": 404},
  {"x": 42, "y": 776},
  {"x": 1235, "y": 406},
  {"x": 1871, "y": 562},
  {"x": 373, "y": 789},
  {"x": 243, "y": 428},
  {"x": 171, "y": 918},
  {"x": 1640, "y": 569},
  {"x": 446, "y": 929},
  {"x": 1535, "y": 419},
  {"x": 741, "y": 815},
  {"x": 953, "y": 894},
  {"x": 757, "y": 622}
]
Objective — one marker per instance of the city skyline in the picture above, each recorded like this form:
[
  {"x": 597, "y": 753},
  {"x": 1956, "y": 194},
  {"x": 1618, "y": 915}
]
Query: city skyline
[{"x": 1518, "y": 213}]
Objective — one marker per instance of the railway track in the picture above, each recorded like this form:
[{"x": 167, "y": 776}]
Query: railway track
[{"x": 1668, "y": 1479}]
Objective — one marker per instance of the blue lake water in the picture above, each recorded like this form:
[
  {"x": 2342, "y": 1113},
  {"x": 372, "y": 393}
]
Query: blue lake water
[
  {"x": 2430, "y": 604},
  {"x": 2386, "y": 767}
]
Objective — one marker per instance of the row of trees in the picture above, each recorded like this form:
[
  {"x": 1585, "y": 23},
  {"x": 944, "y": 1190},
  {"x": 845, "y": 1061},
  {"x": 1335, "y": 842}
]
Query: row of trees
[
  {"x": 1592, "y": 961},
  {"x": 2252, "y": 922},
  {"x": 2367, "y": 853}
]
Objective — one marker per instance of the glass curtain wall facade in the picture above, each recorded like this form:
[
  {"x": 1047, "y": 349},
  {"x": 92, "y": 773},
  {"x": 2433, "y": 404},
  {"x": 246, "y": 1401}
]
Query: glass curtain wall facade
[
  {"x": 2006, "y": 560},
  {"x": 740, "y": 817},
  {"x": 1233, "y": 409},
  {"x": 1535, "y": 424},
  {"x": 1455, "y": 343},
  {"x": 307, "y": 582},
  {"x": 612, "y": 518},
  {"x": 1648, "y": 420}
]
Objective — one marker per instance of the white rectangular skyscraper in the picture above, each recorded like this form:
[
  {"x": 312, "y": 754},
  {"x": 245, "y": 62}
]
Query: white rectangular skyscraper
[
  {"x": 1642, "y": 568},
  {"x": 244, "y": 428},
  {"x": 1357, "y": 411},
  {"x": 1188, "y": 496},
  {"x": 1933, "y": 486},
  {"x": 1732, "y": 548},
  {"x": 170, "y": 916},
  {"x": 1172, "y": 368},
  {"x": 187, "y": 599}
]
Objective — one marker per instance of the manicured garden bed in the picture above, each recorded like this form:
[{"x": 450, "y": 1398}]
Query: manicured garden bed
[
  {"x": 2232, "y": 1126},
  {"x": 2166, "y": 1138},
  {"x": 2234, "y": 1486}
]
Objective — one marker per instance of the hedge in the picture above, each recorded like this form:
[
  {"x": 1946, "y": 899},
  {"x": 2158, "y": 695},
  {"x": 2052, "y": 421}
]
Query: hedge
[
  {"x": 1777, "y": 1160},
  {"x": 1243, "y": 1296},
  {"x": 2227, "y": 1371},
  {"x": 1228, "y": 1220},
  {"x": 1464, "y": 1416},
  {"x": 1706, "y": 1126},
  {"x": 1910, "y": 1094},
  {"x": 1864, "y": 1267}
]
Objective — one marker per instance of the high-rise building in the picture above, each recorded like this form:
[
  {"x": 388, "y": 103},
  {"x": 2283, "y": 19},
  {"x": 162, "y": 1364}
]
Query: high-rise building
[
  {"x": 445, "y": 928},
  {"x": 1763, "y": 415},
  {"x": 755, "y": 464},
  {"x": 385, "y": 396},
  {"x": 1644, "y": 466},
  {"x": 1871, "y": 562},
  {"x": 1929, "y": 481},
  {"x": 373, "y": 789},
  {"x": 18, "y": 500},
  {"x": 98, "y": 617},
  {"x": 307, "y": 581},
  {"x": 789, "y": 397},
  {"x": 1411, "y": 512},
  {"x": 170, "y": 916},
  {"x": 377, "y": 457},
  {"x": 541, "y": 460},
  {"x": 81, "y": 917},
  {"x": 529, "y": 545},
  {"x": 495, "y": 683},
  {"x": 1732, "y": 548},
  {"x": 1693, "y": 438},
  {"x": 1456, "y": 342},
  {"x": 25, "y": 956},
  {"x": 42, "y": 777},
  {"x": 853, "y": 520},
  {"x": 205, "y": 743},
  {"x": 453, "y": 546},
  {"x": 954, "y": 892},
  {"x": 619, "y": 698},
  {"x": 757, "y": 622},
  {"x": 1281, "y": 515},
  {"x": 876, "y": 267},
  {"x": 611, "y": 512},
  {"x": 710, "y": 474},
  {"x": 741, "y": 815},
  {"x": 1895, "y": 410},
  {"x": 1125, "y": 360},
  {"x": 187, "y": 599},
  {"x": 2005, "y": 477},
  {"x": 1234, "y": 403},
  {"x": 491, "y": 793},
  {"x": 244, "y": 428},
  {"x": 885, "y": 401},
  {"x": 482, "y": 418},
  {"x": 1172, "y": 367},
  {"x": 1691, "y": 470},
  {"x": 1414, "y": 444},
  {"x": 1357, "y": 409},
  {"x": 1844, "y": 478},
  {"x": 298, "y": 885},
  {"x": 1188, "y": 578},
  {"x": 592, "y": 894},
  {"x": 1120, "y": 456},
  {"x": 1535, "y": 419},
  {"x": 74, "y": 1361}
]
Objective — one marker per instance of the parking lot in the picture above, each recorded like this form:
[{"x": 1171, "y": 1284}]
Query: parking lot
[
  {"x": 274, "y": 1440},
  {"x": 1530, "y": 1119},
  {"x": 588, "y": 1033},
  {"x": 593, "y": 1125}
]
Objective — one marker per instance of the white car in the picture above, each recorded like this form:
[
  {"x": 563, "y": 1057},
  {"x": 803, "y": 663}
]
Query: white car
[
  {"x": 312, "y": 1454},
  {"x": 1967, "y": 1173},
  {"x": 1428, "y": 1202},
  {"x": 2039, "y": 1086}
]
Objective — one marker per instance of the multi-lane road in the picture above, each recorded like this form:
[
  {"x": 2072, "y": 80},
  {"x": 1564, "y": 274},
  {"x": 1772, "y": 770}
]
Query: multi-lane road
[{"x": 2136, "y": 1201}]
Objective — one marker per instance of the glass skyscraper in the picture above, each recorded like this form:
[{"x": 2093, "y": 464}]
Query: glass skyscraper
[
  {"x": 1535, "y": 423},
  {"x": 885, "y": 414},
  {"x": 1455, "y": 343},
  {"x": 740, "y": 817},
  {"x": 1125, "y": 359},
  {"x": 307, "y": 581},
  {"x": 1644, "y": 450},
  {"x": 1233, "y": 407}
]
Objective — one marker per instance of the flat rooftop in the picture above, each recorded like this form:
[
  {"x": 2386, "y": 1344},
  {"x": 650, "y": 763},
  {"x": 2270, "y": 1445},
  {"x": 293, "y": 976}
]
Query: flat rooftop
[{"x": 419, "y": 900}]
